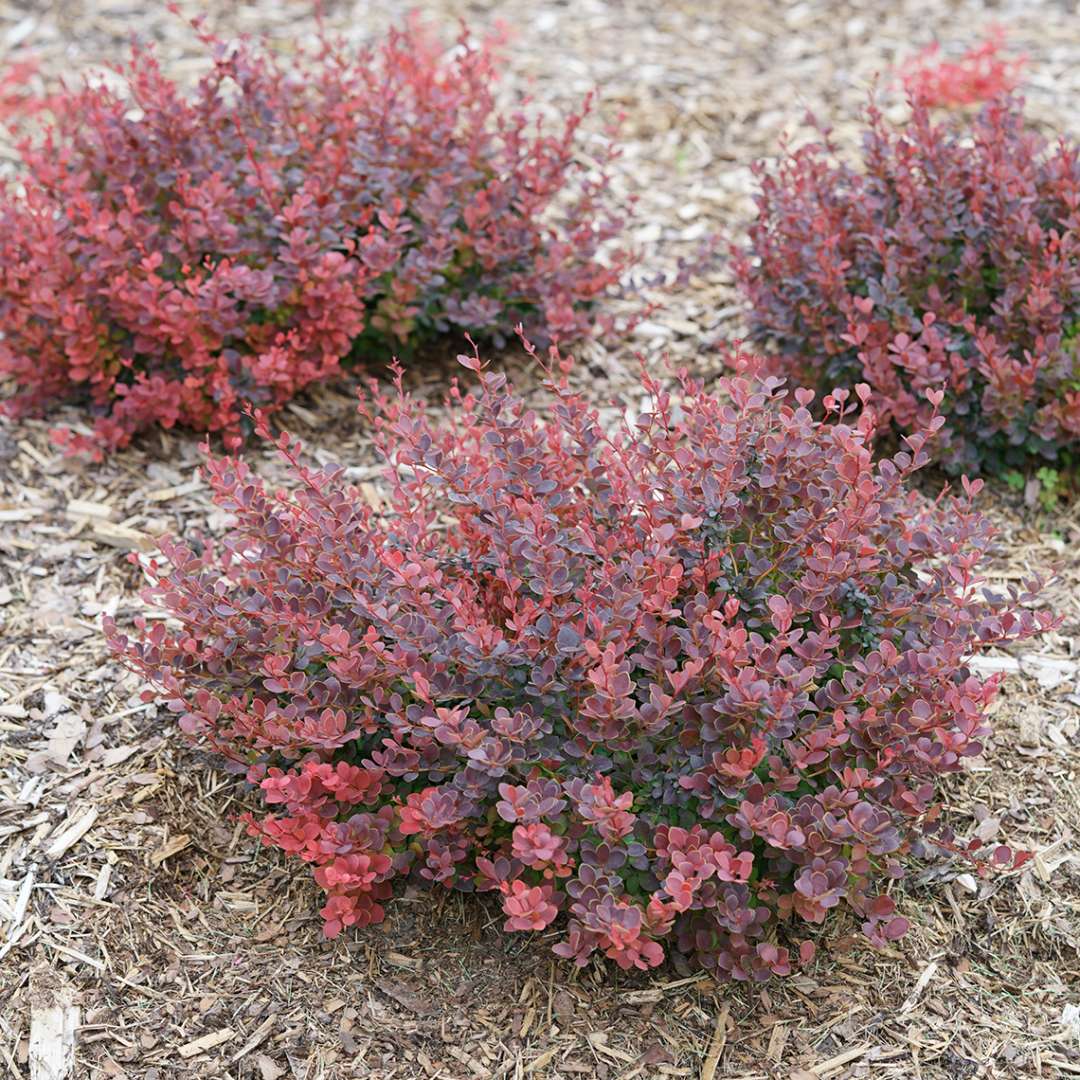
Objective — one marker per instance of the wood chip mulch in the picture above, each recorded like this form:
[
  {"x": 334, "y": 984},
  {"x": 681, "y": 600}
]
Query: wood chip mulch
[{"x": 143, "y": 934}]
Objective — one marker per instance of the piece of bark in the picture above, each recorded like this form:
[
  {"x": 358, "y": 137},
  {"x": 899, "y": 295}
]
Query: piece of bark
[{"x": 54, "y": 1019}]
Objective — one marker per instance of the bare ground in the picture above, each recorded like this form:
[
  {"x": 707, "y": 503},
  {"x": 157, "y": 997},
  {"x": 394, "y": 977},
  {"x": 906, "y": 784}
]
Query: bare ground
[{"x": 129, "y": 892}]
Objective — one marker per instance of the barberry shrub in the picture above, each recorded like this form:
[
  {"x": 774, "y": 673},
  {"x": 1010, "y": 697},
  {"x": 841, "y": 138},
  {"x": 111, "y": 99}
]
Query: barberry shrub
[
  {"x": 984, "y": 71},
  {"x": 681, "y": 681},
  {"x": 950, "y": 259},
  {"x": 17, "y": 97},
  {"x": 171, "y": 257}
]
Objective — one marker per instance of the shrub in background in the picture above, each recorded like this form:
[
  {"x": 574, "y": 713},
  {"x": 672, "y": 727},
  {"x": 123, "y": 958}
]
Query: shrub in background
[
  {"x": 171, "y": 257},
  {"x": 949, "y": 259},
  {"x": 983, "y": 72},
  {"x": 18, "y": 98},
  {"x": 680, "y": 681}
]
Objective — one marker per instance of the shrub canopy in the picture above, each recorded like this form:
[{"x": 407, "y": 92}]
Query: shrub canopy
[
  {"x": 170, "y": 257},
  {"x": 949, "y": 259},
  {"x": 682, "y": 680}
]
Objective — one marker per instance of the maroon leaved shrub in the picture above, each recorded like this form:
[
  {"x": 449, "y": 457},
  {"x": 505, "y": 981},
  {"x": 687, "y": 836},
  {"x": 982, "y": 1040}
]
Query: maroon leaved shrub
[
  {"x": 983, "y": 72},
  {"x": 17, "y": 98},
  {"x": 171, "y": 257},
  {"x": 688, "y": 680},
  {"x": 949, "y": 259}
]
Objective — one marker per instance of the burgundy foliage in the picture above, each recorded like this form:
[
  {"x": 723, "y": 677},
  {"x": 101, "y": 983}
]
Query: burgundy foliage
[
  {"x": 983, "y": 72},
  {"x": 17, "y": 97},
  {"x": 950, "y": 259},
  {"x": 170, "y": 257},
  {"x": 683, "y": 682}
]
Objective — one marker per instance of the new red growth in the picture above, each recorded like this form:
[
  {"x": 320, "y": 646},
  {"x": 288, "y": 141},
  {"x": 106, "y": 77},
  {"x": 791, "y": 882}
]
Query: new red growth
[{"x": 982, "y": 73}]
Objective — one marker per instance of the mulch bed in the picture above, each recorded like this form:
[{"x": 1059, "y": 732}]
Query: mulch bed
[{"x": 131, "y": 897}]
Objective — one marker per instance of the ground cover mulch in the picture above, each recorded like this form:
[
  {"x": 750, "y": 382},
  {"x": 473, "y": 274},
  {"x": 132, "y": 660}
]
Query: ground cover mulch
[{"x": 132, "y": 899}]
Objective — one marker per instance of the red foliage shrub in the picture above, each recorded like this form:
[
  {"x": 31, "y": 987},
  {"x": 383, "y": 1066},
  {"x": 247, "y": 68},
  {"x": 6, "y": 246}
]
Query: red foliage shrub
[
  {"x": 235, "y": 245},
  {"x": 982, "y": 73},
  {"x": 17, "y": 99},
  {"x": 681, "y": 681},
  {"x": 950, "y": 260}
]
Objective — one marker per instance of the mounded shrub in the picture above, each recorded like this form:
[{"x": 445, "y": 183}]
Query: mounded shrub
[
  {"x": 948, "y": 259},
  {"x": 689, "y": 681},
  {"x": 171, "y": 257},
  {"x": 17, "y": 97},
  {"x": 983, "y": 72}
]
